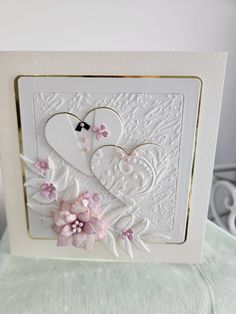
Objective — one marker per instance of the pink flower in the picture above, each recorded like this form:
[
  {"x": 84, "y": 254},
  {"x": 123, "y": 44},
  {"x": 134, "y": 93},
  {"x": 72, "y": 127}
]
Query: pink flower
[
  {"x": 90, "y": 200},
  {"x": 78, "y": 226},
  {"x": 100, "y": 131},
  {"x": 42, "y": 165},
  {"x": 127, "y": 233},
  {"x": 48, "y": 190}
]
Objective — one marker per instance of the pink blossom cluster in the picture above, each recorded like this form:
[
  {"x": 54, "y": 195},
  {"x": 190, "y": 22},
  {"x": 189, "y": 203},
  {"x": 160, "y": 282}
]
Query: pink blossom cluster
[{"x": 79, "y": 223}]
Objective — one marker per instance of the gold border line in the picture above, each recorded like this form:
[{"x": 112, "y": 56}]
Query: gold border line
[{"x": 16, "y": 88}]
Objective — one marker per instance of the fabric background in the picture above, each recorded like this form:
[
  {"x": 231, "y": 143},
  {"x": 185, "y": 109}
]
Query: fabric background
[{"x": 33, "y": 286}]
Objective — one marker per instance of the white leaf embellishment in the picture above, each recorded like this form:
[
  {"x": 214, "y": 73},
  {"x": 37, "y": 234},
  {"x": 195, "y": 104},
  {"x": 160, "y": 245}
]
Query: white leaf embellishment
[
  {"x": 61, "y": 179},
  {"x": 141, "y": 226},
  {"x": 44, "y": 200},
  {"x": 42, "y": 209},
  {"x": 114, "y": 215},
  {"x": 110, "y": 243},
  {"x": 71, "y": 192},
  {"x": 35, "y": 182},
  {"x": 125, "y": 222},
  {"x": 29, "y": 164},
  {"x": 50, "y": 174},
  {"x": 140, "y": 244},
  {"x": 126, "y": 246}
]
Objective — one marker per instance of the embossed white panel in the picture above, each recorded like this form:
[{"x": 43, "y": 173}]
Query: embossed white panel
[{"x": 159, "y": 111}]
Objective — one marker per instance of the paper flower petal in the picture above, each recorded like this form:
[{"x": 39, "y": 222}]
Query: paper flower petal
[
  {"x": 66, "y": 231},
  {"x": 61, "y": 219},
  {"x": 78, "y": 239},
  {"x": 83, "y": 215},
  {"x": 88, "y": 243},
  {"x": 62, "y": 241}
]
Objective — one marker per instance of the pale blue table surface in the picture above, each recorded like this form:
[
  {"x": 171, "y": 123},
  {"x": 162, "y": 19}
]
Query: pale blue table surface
[{"x": 33, "y": 285}]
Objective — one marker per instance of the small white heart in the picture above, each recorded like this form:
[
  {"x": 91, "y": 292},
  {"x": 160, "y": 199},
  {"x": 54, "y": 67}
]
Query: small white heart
[
  {"x": 77, "y": 147},
  {"x": 130, "y": 177}
]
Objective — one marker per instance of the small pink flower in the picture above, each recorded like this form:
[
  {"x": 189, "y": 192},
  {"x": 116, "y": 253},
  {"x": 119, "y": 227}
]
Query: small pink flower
[
  {"x": 48, "y": 190},
  {"x": 78, "y": 226},
  {"x": 127, "y": 233},
  {"x": 90, "y": 200},
  {"x": 100, "y": 131},
  {"x": 127, "y": 156},
  {"x": 42, "y": 165}
]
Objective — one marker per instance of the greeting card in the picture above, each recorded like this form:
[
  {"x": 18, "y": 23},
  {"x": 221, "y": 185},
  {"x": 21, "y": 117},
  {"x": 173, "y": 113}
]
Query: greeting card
[{"x": 108, "y": 163}]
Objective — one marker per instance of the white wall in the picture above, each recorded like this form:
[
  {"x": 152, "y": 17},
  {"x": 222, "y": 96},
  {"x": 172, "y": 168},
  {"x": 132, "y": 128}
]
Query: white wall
[{"x": 130, "y": 25}]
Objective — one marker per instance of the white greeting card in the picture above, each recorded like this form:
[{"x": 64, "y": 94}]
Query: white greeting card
[{"x": 109, "y": 162}]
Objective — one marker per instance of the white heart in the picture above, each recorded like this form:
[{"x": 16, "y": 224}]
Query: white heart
[
  {"x": 77, "y": 147},
  {"x": 130, "y": 177}
]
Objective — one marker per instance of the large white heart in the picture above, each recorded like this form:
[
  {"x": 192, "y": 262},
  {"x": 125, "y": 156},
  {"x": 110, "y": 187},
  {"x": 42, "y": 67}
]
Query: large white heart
[
  {"x": 133, "y": 177},
  {"x": 77, "y": 147}
]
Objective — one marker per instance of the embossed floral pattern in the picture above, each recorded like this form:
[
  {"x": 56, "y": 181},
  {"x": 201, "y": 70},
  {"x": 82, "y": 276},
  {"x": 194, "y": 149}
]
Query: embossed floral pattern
[
  {"x": 132, "y": 177},
  {"x": 137, "y": 112}
]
